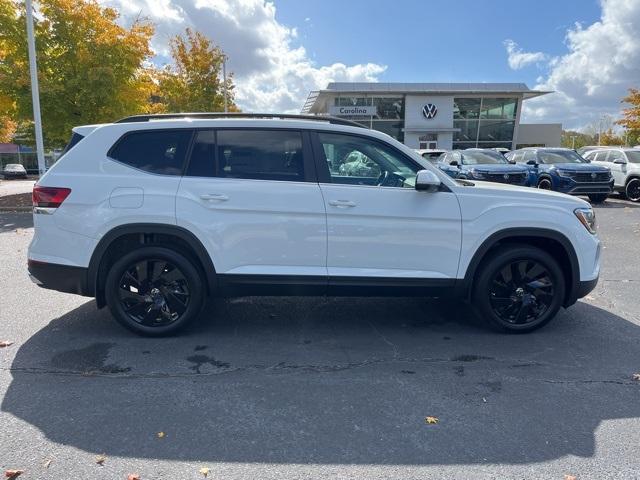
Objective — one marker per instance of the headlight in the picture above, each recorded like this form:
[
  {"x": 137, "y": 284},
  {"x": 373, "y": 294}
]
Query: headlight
[
  {"x": 565, "y": 173},
  {"x": 476, "y": 174},
  {"x": 587, "y": 218}
]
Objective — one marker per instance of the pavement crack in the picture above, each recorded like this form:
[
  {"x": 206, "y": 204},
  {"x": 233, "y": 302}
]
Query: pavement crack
[{"x": 393, "y": 346}]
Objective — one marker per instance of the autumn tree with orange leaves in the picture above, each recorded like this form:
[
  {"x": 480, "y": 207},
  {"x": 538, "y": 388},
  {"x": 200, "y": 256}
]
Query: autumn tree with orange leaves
[{"x": 631, "y": 116}]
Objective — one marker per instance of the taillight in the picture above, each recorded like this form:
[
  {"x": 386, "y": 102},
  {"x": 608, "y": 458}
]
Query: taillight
[{"x": 49, "y": 197}]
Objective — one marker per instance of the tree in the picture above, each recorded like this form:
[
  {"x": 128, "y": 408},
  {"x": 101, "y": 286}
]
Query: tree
[
  {"x": 88, "y": 65},
  {"x": 610, "y": 138},
  {"x": 193, "y": 82},
  {"x": 573, "y": 139},
  {"x": 631, "y": 117}
]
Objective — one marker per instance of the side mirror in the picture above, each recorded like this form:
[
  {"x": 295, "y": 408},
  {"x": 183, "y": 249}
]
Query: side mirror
[
  {"x": 428, "y": 181},
  {"x": 454, "y": 163},
  {"x": 620, "y": 161},
  {"x": 532, "y": 162}
]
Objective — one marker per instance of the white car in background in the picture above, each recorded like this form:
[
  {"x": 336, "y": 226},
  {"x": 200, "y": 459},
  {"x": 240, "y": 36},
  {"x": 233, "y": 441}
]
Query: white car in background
[
  {"x": 625, "y": 168},
  {"x": 431, "y": 154}
]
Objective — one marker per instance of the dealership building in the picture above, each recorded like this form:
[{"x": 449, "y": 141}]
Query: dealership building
[{"x": 438, "y": 115}]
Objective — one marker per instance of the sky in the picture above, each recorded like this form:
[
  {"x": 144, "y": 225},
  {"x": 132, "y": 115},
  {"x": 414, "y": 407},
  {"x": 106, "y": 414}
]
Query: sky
[{"x": 586, "y": 51}]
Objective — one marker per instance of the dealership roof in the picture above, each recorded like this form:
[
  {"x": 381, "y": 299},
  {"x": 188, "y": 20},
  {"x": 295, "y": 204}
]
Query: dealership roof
[{"x": 316, "y": 97}]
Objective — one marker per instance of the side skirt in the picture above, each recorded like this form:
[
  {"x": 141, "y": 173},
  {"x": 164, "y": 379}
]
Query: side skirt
[{"x": 233, "y": 285}]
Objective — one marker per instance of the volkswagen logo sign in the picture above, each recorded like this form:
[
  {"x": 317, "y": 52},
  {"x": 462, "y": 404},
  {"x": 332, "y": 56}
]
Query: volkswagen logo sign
[
  {"x": 593, "y": 175},
  {"x": 429, "y": 111},
  {"x": 506, "y": 176}
]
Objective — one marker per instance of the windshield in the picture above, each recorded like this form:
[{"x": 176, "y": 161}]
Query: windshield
[
  {"x": 476, "y": 157},
  {"x": 633, "y": 156},
  {"x": 560, "y": 156}
]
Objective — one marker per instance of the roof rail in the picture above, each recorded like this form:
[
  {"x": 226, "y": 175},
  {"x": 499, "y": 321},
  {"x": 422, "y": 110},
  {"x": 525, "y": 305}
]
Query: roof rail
[{"x": 284, "y": 116}]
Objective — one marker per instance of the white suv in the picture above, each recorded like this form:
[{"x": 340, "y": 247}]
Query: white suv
[
  {"x": 625, "y": 168},
  {"x": 152, "y": 214}
]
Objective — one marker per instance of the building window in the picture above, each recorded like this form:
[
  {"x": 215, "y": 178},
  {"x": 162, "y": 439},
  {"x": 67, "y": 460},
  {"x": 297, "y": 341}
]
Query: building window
[
  {"x": 391, "y": 128},
  {"x": 496, "y": 131},
  {"x": 468, "y": 130},
  {"x": 463, "y": 145},
  {"x": 466, "y": 108},
  {"x": 428, "y": 141},
  {"x": 494, "y": 108}
]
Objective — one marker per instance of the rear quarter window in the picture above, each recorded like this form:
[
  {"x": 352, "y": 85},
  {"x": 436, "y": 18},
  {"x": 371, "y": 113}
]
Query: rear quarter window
[{"x": 161, "y": 152}]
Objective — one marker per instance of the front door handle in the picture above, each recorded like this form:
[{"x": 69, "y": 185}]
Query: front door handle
[
  {"x": 220, "y": 197},
  {"x": 342, "y": 203}
]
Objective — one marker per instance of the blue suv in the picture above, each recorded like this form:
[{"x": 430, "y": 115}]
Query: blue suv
[
  {"x": 563, "y": 170},
  {"x": 483, "y": 164}
]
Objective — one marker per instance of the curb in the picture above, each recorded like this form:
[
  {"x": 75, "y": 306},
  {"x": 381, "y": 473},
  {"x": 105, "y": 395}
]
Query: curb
[{"x": 15, "y": 209}]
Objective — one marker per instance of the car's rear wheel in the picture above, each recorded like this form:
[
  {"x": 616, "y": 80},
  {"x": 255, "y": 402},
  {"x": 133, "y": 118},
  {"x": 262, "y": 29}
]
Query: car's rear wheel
[
  {"x": 519, "y": 289},
  {"x": 545, "y": 184},
  {"x": 632, "y": 190},
  {"x": 598, "y": 197},
  {"x": 154, "y": 291}
]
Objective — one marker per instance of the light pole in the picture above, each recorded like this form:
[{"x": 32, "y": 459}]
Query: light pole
[{"x": 35, "y": 91}]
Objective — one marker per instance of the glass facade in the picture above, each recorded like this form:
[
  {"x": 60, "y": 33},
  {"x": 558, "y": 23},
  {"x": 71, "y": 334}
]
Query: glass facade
[
  {"x": 389, "y": 116},
  {"x": 484, "y": 122}
]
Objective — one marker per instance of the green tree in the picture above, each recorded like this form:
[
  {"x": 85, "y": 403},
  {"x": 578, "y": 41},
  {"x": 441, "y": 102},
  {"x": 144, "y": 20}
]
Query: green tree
[
  {"x": 573, "y": 139},
  {"x": 89, "y": 67},
  {"x": 193, "y": 83}
]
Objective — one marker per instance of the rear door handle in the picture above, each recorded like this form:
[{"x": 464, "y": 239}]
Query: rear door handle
[
  {"x": 342, "y": 203},
  {"x": 220, "y": 197}
]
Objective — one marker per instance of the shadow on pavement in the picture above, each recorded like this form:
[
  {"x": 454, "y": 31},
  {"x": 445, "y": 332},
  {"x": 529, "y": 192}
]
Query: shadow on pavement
[
  {"x": 331, "y": 381},
  {"x": 12, "y": 221}
]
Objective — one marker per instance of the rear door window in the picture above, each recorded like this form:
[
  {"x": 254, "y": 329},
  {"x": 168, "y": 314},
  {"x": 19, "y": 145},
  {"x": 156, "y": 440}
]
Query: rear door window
[
  {"x": 260, "y": 154},
  {"x": 155, "y": 151}
]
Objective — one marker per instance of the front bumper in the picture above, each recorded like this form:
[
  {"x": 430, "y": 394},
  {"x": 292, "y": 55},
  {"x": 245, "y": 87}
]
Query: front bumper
[
  {"x": 580, "y": 290},
  {"x": 572, "y": 187},
  {"x": 63, "y": 278}
]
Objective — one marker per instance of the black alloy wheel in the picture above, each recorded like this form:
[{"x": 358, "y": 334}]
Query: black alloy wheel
[
  {"x": 632, "y": 190},
  {"x": 518, "y": 288},
  {"x": 521, "y": 292},
  {"x": 545, "y": 184},
  {"x": 154, "y": 291}
]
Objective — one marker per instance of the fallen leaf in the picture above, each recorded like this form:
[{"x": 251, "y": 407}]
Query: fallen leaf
[
  {"x": 100, "y": 459},
  {"x": 636, "y": 376},
  {"x": 13, "y": 473},
  {"x": 431, "y": 420},
  {"x": 5, "y": 343},
  {"x": 570, "y": 477},
  {"x": 204, "y": 471},
  {"x": 160, "y": 434},
  {"x": 48, "y": 463},
  {"x": 133, "y": 476}
]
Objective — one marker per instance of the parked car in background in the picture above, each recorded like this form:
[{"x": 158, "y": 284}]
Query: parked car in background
[
  {"x": 483, "y": 164},
  {"x": 563, "y": 170},
  {"x": 431, "y": 154},
  {"x": 588, "y": 148},
  {"x": 502, "y": 150},
  {"x": 14, "y": 170},
  {"x": 152, "y": 214},
  {"x": 625, "y": 168}
]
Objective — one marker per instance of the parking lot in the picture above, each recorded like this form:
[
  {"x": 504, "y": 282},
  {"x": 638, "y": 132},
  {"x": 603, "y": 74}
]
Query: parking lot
[{"x": 323, "y": 387}]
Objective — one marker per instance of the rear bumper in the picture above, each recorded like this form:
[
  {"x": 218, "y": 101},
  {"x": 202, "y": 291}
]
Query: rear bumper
[{"x": 63, "y": 278}]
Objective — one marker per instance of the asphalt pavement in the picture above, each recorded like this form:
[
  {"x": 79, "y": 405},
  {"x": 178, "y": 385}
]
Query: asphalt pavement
[{"x": 323, "y": 387}]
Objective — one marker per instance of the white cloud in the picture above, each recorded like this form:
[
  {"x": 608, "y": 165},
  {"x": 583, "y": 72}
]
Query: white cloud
[
  {"x": 271, "y": 73},
  {"x": 518, "y": 59},
  {"x": 602, "y": 62}
]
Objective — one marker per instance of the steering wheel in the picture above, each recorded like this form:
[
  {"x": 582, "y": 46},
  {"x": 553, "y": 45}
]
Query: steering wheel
[
  {"x": 390, "y": 179},
  {"x": 382, "y": 178}
]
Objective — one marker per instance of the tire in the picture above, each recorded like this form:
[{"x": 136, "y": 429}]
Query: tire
[
  {"x": 154, "y": 291},
  {"x": 520, "y": 305},
  {"x": 632, "y": 190},
  {"x": 598, "y": 197},
  {"x": 545, "y": 184}
]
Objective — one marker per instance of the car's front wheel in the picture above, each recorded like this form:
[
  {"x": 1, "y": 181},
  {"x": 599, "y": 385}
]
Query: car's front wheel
[
  {"x": 545, "y": 184},
  {"x": 598, "y": 197},
  {"x": 154, "y": 291},
  {"x": 519, "y": 289},
  {"x": 632, "y": 190}
]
